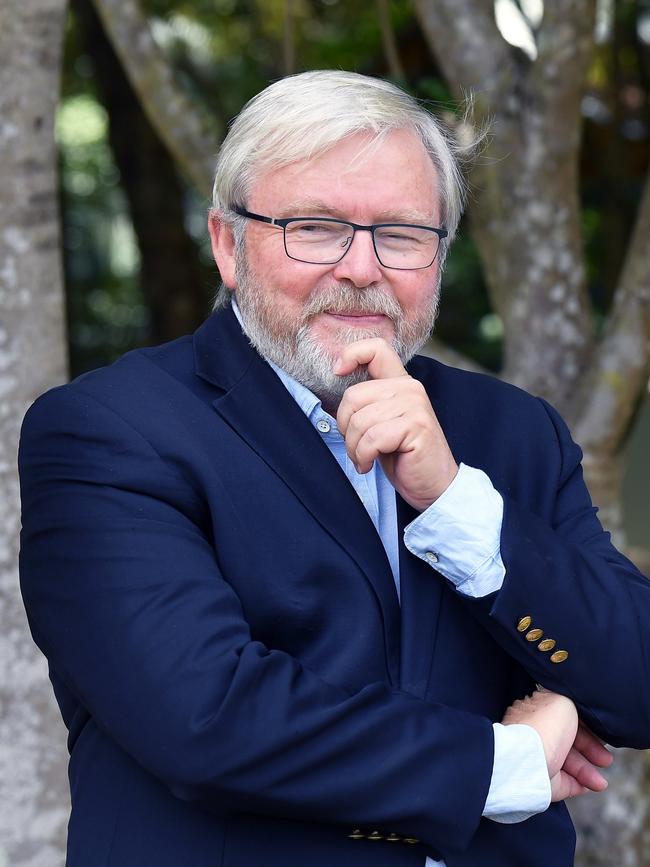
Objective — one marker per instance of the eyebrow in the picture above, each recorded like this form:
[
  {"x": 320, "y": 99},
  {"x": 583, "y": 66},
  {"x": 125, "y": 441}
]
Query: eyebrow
[{"x": 316, "y": 207}]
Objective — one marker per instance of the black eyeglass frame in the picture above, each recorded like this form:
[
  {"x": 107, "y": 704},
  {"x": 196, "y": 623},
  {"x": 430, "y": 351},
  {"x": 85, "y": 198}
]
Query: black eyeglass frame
[{"x": 356, "y": 227}]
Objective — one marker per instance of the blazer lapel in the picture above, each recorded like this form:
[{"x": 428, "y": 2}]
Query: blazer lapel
[
  {"x": 421, "y": 596},
  {"x": 257, "y": 406},
  {"x": 421, "y": 587}
]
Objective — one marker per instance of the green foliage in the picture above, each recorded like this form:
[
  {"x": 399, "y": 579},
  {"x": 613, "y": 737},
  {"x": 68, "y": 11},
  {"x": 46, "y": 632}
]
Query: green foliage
[{"x": 225, "y": 51}]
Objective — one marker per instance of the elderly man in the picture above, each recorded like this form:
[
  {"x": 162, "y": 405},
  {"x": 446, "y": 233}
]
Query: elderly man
[{"x": 303, "y": 604}]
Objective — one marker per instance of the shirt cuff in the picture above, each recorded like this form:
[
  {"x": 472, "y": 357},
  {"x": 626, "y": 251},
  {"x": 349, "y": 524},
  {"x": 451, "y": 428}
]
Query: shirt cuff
[
  {"x": 459, "y": 535},
  {"x": 520, "y": 785}
]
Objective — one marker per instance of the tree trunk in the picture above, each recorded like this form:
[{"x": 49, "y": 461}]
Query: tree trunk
[
  {"x": 172, "y": 283},
  {"x": 33, "y": 790},
  {"x": 525, "y": 218}
]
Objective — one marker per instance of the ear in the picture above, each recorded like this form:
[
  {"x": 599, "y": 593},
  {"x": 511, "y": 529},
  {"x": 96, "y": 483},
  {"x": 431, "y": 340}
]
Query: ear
[{"x": 223, "y": 248}]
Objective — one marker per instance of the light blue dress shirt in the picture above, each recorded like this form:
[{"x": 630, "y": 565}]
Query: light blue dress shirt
[{"x": 459, "y": 536}]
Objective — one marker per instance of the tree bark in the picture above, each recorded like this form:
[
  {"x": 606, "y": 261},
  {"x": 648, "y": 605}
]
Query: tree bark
[
  {"x": 525, "y": 214},
  {"x": 173, "y": 285},
  {"x": 185, "y": 130},
  {"x": 525, "y": 218},
  {"x": 33, "y": 790}
]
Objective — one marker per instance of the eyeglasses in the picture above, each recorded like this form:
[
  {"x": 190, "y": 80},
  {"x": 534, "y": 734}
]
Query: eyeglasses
[{"x": 325, "y": 241}]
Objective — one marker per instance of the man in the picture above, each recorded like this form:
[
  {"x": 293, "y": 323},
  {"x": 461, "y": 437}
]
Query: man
[{"x": 293, "y": 595}]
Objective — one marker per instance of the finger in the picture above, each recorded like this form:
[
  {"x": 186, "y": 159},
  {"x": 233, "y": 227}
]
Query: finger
[
  {"x": 581, "y": 769},
  {"x": 592, "y": 748},
  {"x": 381, "y": 359},
  {"x": 367, "y": 417},
  {"x": 365, "y": 393},
  {"x": 383, "y": 438},
  {"x": 564, "y": 786}
]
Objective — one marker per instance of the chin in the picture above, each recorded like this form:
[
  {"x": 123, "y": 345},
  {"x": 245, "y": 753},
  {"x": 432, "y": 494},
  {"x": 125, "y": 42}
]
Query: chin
[{"x": 332, "y": 343}]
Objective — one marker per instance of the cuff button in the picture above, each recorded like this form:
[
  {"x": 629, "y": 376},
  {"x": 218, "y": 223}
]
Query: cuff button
[
  {"x": 524, "y": 623},
  {"x": 547, "y": 644},
  {"x": 534, "y": 634},
  {"x": 559, "y": 656}
]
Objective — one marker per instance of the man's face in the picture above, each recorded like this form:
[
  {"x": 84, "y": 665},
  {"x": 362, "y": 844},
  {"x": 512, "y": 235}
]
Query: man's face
[{"x": 301, "y": 315}]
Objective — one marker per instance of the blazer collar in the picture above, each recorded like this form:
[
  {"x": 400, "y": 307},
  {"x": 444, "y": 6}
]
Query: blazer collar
[{"x": 257, "y": 406}]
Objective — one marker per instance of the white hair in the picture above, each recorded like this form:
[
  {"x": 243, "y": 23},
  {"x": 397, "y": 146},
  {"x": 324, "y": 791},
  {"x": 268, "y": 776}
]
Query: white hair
[{"x": 301, "y": 116}]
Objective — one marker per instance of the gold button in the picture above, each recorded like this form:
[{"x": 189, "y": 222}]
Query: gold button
[
  {"x": 547, "y": 644},
  {"x": 534, "y": 634},
  {"x": 393, "y": 838},
  {"x": 411, "y": 840},
  {"x": 524, "y": 623},
  {"x": 375, "y": 835},
  {"x": 357, "y": 834},
  {"x": 559, "y": 656}
]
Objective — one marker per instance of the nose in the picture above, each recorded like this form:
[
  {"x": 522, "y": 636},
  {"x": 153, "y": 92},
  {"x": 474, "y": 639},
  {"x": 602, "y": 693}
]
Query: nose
[{"x": 360, "y": 264}]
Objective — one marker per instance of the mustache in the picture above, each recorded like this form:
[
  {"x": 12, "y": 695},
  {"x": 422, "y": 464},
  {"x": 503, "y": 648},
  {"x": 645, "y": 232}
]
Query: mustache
[{"x": 344, "y": 299}]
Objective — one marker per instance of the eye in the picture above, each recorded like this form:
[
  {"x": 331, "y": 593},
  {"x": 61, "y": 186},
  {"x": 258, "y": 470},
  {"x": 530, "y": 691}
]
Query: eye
[
  {"x": 403, "y": 236},
  {"x": 316, "y": 232}
]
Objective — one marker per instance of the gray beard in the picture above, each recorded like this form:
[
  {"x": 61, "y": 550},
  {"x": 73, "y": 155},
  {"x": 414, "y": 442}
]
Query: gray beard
[{"x": 298, "y": 352}]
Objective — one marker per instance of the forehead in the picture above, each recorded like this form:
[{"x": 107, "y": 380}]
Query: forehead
[{"x": 361, "y": 178}]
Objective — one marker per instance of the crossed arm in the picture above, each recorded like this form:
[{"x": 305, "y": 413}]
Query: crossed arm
[
  {"x": 126, "y": 599},
  {"x": 390, "y": 418}
]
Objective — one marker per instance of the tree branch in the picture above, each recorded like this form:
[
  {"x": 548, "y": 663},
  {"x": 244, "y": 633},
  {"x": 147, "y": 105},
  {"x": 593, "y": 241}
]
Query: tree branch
[
  {"x": 622, "y": 364},
  {"x": 185, "y": 132},
  {"x": 463, "y": 36},
  {"x": 564, "y": 48},
  {"x": 389, "y": 42}
]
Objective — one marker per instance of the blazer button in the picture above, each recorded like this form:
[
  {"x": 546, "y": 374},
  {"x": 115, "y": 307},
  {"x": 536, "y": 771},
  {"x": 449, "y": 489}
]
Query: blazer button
[
  {"x": 357, "y": 834},
  {"x": 524, "y": 623},
  {"x": 559, "y": 656},
  {"x": 534, "y": 634},
  {"x": 547, "y": 644},
  {"x": 375, "y": 835},
  {"x": 411, "y": 840},
  {"x": 393, "y": 838}
]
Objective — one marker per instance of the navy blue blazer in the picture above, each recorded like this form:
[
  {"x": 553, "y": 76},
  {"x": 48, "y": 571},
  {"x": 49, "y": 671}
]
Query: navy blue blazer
[{"x": 239, "y": 681}]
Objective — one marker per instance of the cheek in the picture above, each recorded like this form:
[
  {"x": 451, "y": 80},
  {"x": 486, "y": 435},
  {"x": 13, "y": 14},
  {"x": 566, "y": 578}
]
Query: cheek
[
  {"x": 417, "y": 294},
  {"x": 291, "y": 286}
]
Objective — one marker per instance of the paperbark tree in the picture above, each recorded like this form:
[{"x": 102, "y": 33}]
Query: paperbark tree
[
  {"x": 33, "y": 792},
  {"x": 525, "y": 219}
]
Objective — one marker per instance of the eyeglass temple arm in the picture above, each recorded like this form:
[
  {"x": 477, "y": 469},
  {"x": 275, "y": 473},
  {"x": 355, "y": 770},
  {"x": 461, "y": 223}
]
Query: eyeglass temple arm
[{"x": 252, "y": 216}]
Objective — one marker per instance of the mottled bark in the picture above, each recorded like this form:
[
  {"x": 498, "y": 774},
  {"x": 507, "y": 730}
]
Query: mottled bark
[
  {"x": 525, "y": 218},
  {"x": 622, "y": 364},
  {"x": 525, "y": 214},
  {"x": 33, "y": 790},
  {"x": 174, "y": 288},
  {"x": 185, "y": 130}
]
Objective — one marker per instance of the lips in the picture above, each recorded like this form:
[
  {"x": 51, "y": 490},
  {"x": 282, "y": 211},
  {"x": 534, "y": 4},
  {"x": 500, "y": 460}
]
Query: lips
[{"x": 358, "y": 317}]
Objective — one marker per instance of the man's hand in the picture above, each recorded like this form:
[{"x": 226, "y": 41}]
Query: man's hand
[
  {"x": 390, "y": 418},
  {"x": 572, "y": 752}
]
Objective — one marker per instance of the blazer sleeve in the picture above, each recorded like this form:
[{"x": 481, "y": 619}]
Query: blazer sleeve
[
  {"x": 572, "y": 609},
  {"x": 126, "y": 599}
]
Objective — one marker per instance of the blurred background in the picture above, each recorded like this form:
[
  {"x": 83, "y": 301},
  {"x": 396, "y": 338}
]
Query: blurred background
[{"x": 547, "y": 285}]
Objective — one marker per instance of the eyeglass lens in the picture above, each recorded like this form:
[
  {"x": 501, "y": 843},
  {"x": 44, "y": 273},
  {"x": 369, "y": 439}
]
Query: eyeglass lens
[{"x": 327, "y": 242}]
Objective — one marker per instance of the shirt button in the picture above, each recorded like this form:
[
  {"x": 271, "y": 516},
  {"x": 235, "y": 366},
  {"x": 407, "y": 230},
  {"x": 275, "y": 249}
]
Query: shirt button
[
  {"x": 323, "y": 425},
  {"x": 431, "y": 556}
]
